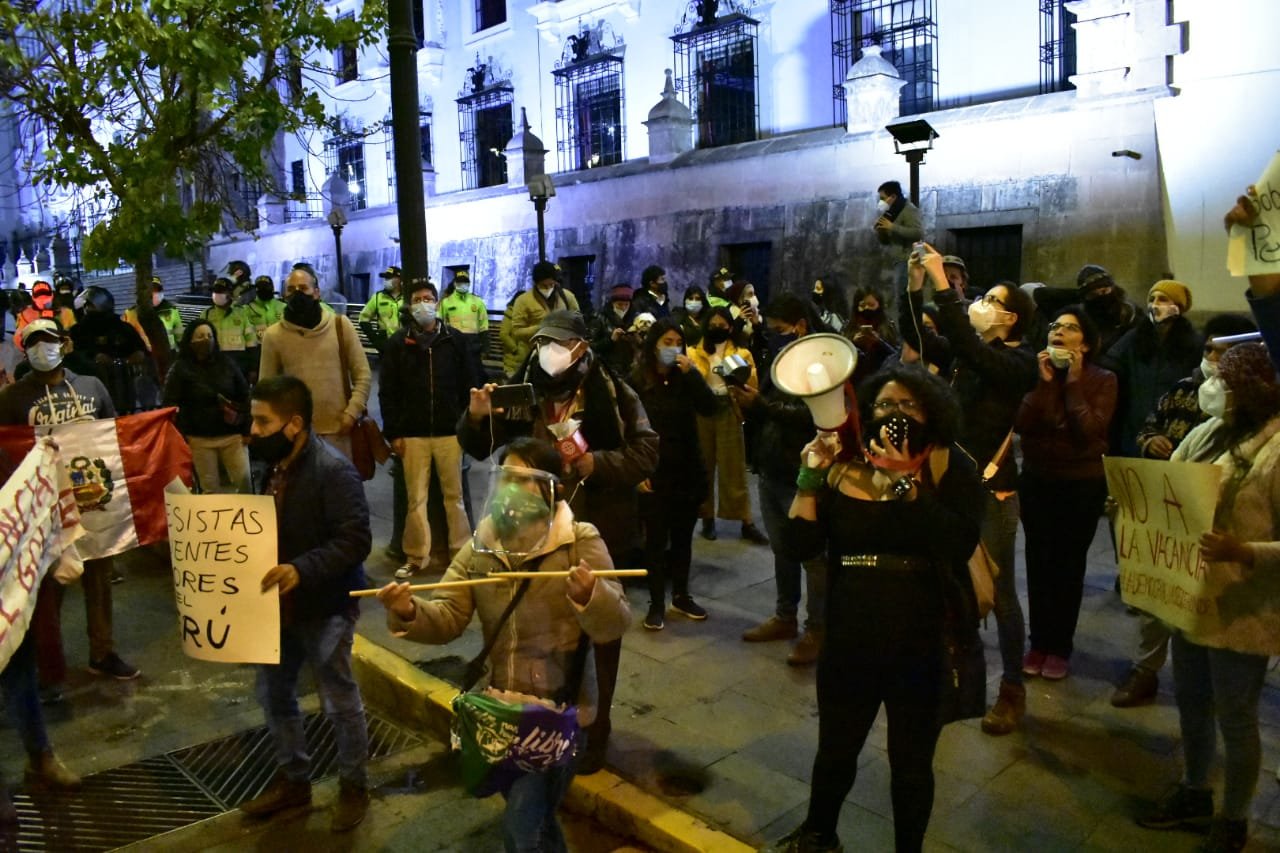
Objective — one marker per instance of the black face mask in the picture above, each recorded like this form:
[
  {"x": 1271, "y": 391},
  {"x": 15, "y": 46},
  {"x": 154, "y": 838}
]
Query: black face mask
[
  {"x": 778, "y": 340},
  {"x": 900, "y": 427},
  {"x": 202, "y": 349},
  {"x": 266, "y": 293},
  {"x": 271, "y": 448},
  {"x": 303, "y": 310},
  {"x": 717, "y": 335},
  {"x": 870, "y": 318},
  {"x": 1105, "y": 309}
]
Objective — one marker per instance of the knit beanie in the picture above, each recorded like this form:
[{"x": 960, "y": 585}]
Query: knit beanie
[
  {"x": 620, "y": 293},
  {"x": 1178, "y": 292},
  {"x": 1091, "y": 277},
  {"x": 1248, "y": 372}
]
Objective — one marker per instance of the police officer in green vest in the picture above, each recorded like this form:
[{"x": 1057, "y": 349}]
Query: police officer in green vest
[
  {"x": 237, "y": 336},
  {"x": 265, "y": 308},
  {"x": 381, "y": 315}
]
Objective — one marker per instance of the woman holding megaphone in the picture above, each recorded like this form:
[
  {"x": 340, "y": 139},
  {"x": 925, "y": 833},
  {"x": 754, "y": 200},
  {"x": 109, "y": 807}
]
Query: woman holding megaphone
[{"x": 897, "y": 513}]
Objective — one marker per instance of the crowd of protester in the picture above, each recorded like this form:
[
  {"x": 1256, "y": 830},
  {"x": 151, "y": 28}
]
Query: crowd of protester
[{"x": 979, "y": 406}]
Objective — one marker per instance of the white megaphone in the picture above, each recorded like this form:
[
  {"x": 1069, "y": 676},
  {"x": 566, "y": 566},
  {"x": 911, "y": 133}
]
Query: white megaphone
[{"x": 815, "y": 368}]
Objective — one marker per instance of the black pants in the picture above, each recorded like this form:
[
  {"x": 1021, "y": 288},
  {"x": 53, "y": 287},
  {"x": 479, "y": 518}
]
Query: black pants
[
  {"x": 849, "y": 697},
  {"x": 1059, "y": 519},
  {"x": 669, "y": 519}
]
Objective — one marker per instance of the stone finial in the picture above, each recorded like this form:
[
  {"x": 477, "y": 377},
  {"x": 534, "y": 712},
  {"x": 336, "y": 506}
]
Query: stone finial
[
  {"x": 871, "y": 91},
  {"x": 526, "y": 155},
  {"x": 670, "y": 126}
]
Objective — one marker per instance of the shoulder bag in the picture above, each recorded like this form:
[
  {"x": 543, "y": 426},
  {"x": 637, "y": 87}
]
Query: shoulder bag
[{"x": 368, "y": 448}]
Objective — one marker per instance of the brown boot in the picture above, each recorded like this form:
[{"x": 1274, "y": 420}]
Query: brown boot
[
  {"x": 1138, "y": 689},
  {"x": 283, "y": 793},
  {"x": 806, "y": 651},
  {"x": 773, "y": 628},
  {"x": 351, "y": 807},
  {"x": 1007, "y": 712},
  {"x": 45, "y": 772}
]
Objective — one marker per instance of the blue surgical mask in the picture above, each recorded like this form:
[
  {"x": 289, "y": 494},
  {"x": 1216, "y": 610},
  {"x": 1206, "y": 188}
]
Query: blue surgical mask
[
  {"x": 424, "y": 313},
  {"x": 667, "y": 355},
  {"x": 462, "y": 288}
]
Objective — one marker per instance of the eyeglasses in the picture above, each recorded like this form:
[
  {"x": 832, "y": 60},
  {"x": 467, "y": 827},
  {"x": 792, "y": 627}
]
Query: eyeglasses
[
  {"x": 905, "y": 406},
  {"x": 1065, "y": 327},
  {"x": 992, "y": 299}
]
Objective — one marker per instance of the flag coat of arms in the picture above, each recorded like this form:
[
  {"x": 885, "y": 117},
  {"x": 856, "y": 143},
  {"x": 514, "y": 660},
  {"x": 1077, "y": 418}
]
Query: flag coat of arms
[{"x": 117, "y": 469}]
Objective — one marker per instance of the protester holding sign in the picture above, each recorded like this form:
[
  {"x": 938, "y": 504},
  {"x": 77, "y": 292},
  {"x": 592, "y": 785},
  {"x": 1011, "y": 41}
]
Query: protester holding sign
[
  {"x": 1063, "y": 423},
  {"x": 49, "y": 395},
  {"x": 536, "y": 648},
  {"x": 1220, "y": 674},
  {"x": 323, "y": 530}
]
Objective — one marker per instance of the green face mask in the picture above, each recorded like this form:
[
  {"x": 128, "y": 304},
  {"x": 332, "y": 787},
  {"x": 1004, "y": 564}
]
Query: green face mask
[{"x": 513, "y": 507}]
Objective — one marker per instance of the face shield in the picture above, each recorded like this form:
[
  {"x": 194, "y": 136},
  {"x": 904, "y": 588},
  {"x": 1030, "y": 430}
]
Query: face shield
[{"x": 518, "y": 512}]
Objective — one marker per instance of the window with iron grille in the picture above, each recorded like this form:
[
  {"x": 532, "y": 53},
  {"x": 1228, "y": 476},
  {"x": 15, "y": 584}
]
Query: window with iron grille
[
  {"x": 346, "y": 61},
  {"x": 485, "y": 125},
  {"x": 245, "y": 202},
  {"x": 1057, "y": 47},
  {"x": 589, "y": 113},
  {"x": 345, "y": 154},
  {"x": 424, "y": 145},
  {"x": 490, "y": 13},
  {"x": 716, "y": 70},
  {"x": 907, "y": 30}
]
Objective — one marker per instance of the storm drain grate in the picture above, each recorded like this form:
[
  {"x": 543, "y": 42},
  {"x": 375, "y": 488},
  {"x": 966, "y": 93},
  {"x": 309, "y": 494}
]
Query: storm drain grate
[{"x": 157, "y": 795}]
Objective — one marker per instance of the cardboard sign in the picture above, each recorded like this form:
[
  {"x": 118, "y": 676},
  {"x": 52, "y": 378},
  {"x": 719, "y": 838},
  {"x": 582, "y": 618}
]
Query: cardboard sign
[
  {"x": 1164, "y": 509},
  {"x": 31, "y": 539},
  {"x": 1255, "y": 249},
  {"x": 221, "y": 546}
]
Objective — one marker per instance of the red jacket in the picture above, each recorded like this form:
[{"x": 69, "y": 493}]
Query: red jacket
[{"x": 1064, "y": 425}]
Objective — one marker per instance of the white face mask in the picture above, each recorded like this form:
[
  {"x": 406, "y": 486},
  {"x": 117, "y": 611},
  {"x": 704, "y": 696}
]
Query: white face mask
[
  {"x": 753, "y": 303},
  {"x": 221, "y": 299},
  {"x": 984, "y": 316},
  {"x": 464, "y": 289},
  {"x": 423, "y": 313},
  {"x": 882, "y": 206},
  {"x": 554, "y": 358},
  {"x": 1160, "y": 313},
  {"x": 693, "y": 306},
  {"x": 1208, "y": 368},
  {"x": 157, "y": 298},
  {"x": 45, "y": 356},
  {"x": 1060, "y": 356},
  {"x": 1212, "y": 397}
]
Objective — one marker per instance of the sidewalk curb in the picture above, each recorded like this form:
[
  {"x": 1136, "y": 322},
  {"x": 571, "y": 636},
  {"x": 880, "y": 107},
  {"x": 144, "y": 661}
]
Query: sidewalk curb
[{"x": 414, "y": 698}]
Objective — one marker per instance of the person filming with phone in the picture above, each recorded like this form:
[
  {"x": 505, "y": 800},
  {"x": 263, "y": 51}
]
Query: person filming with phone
[{"x": 607, "y": 449}]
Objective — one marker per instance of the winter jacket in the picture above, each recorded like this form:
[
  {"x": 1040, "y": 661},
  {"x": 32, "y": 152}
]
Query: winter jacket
[
  {"x": 312, "y": 356},
  {"x": 671, "y": 401},
  {"x": 194, "y": 387},
  {"x": 526, "y": 315},
  {"x": 534, "y": 649},
  {"x": 424, "y": 382},
  {"x": 1064, "y": 425},
  {"x": 1146, "y": 372}
]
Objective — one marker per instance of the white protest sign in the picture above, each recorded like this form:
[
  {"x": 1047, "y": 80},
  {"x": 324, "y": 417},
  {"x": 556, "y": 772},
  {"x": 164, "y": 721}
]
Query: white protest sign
[
  {"x": 31, "y": 539},
  {"x": 1255, "y": 249},
  {"x": 221, "y": 546},
  {"x": 1164, "y": 509}
]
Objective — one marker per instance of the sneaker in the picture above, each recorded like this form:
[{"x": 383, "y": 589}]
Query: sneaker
[
  {"x": 773, "y": 628},
  {"x": 709, "y": 529},
  {"x": 1138, "y": 689},
  {"x": 653, "y": 621},
  {"x": 1185, "y": 808},
  {"x": 1054, "y": 668},
  {"x": 46, "y": 773},
  {"x": 351, "y": 807},
  {"x": 114, "y": 667},
  {"x": 1226, "y": 836},
  {"x": 806, "y": 651},
  {"x": 282, "y": 793},
  {"x": 687, "y": 607},
  {"x": 407, "y": 571},
  {"x": 1032, "y": 662},
  {"x": 753, "y": 534},
  {"x": 800, "y": 840},
  {"x": 1008, "y": 711}
]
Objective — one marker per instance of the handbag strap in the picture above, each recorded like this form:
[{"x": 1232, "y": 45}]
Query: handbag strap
[
  {"x": 342, "y": 360},
  {"x": 475, "y": 668}
]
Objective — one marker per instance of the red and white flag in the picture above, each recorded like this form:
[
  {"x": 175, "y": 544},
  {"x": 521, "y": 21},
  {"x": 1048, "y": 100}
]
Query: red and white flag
[{"x": 118, "y": 469}]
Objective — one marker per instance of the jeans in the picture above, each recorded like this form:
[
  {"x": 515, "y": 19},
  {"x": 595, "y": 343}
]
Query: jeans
[
  {"x": 230, "y": 451},
  {"x": 999, "y": 534},
  {"x": 775, "y": 502},
  {"x": 1059, "y": 518},
  {"x": 47, "y": 624},
  {"x": 529, "y": 823},
  {"x": 1219, "y": 683},
  {"x": 326, "y": 645},
  {"x": 22, "y": 697}
]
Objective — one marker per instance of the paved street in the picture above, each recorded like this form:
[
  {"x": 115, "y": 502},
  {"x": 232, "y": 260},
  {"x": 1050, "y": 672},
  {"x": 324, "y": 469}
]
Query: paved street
[{"x": 719, "y": 728}]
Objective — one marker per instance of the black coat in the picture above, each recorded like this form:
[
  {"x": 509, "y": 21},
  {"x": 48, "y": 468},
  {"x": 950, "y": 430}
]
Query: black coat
[
  {"x": 194, "y": 386},
  {"x": 673, "y": 402},
  {"x": 424, "y": 382}
]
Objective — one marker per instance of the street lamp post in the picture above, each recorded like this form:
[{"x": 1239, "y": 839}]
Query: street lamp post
[
  {"x": 912, "y": 139},
  {"x": 541, "y": 189},
  {"x": 339, "y": 197}
]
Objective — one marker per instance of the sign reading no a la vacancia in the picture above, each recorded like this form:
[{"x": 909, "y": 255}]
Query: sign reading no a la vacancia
[
  {"x": 221, "y": 546},
  {"x": 1164, "y": 509}
]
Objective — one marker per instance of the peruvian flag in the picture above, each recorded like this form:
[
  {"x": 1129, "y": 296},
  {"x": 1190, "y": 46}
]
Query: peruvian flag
[{"x": 118, "y": 469}]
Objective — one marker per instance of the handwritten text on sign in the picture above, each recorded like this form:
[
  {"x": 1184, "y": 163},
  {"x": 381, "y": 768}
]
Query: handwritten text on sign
[
  {"x": 1255, "y": 249},
  {"x": 1164, "y": 509},
  {"x": 30, "y": 541},
  {"x": 221, "y": 546}
]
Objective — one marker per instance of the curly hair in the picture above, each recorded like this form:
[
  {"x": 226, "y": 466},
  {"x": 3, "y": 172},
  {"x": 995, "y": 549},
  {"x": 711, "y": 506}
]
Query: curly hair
[{"x": 941, "y": 408}]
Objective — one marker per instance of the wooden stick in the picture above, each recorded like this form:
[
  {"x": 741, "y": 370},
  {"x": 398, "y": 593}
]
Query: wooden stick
[{"x": 501, "y": 577}]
